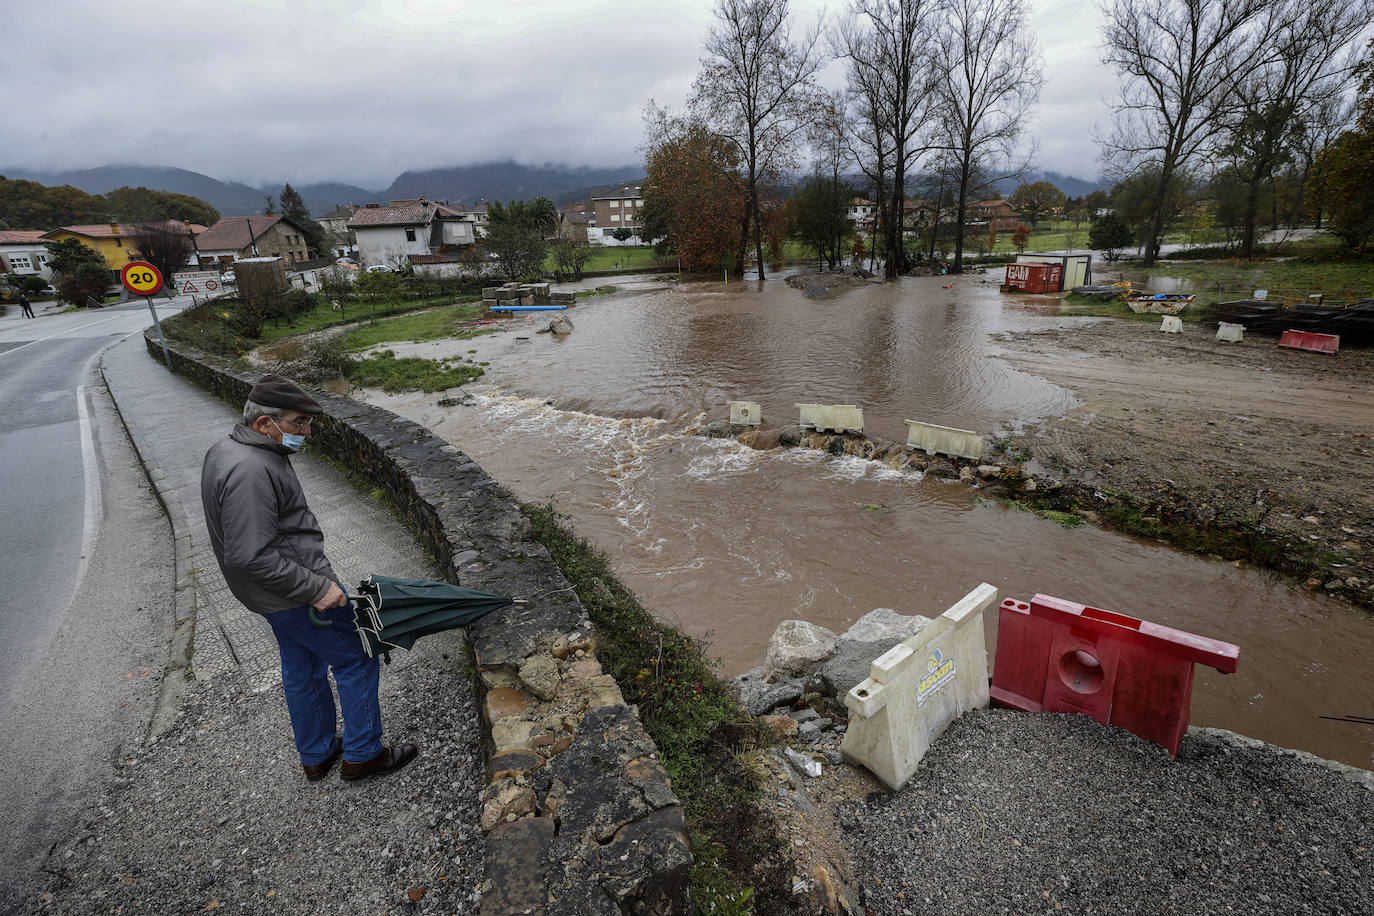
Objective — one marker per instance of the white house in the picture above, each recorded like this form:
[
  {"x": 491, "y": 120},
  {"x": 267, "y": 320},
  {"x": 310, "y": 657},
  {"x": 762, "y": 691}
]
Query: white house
[
  {"x": 390, "y": 235},
  {"x": 622, "y": 209},
  {"x": 860, "y": 211},
  {"x": 22, "y": 252},
  {"x": 335, "y": 226}
]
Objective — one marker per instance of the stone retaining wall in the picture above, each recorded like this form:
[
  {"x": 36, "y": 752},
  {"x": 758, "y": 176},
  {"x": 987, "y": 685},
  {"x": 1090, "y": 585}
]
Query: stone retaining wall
[{"x": 578, "y": 815}]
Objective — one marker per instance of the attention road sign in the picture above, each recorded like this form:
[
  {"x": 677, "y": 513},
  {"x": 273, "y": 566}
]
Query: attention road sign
[
  {"x": 197, "y": 281},
  {"x": 141, "y": 278}
]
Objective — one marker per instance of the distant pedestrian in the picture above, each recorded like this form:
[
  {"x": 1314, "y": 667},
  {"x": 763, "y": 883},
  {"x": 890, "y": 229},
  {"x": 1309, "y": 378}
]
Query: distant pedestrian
[
  {"x": 24, "y": 305},
  {"x": 271, "y": 550}
]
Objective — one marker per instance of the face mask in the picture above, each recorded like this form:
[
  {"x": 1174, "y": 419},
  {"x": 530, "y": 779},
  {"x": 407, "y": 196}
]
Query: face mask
[{"x": 291, "y": 440}]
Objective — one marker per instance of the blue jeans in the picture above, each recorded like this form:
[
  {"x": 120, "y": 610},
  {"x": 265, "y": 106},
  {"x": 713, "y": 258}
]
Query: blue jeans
[{"x": 308, "y": 653}]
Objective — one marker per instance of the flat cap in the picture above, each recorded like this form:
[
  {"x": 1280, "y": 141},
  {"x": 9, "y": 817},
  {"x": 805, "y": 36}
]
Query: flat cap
[{"x": 278, "y": 391}]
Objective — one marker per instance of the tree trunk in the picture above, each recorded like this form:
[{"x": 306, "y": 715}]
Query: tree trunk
[
  {"x": 1247, "y": 245},
  {"x": 1302, "y": 190},
  {"x": 1156, "y": 225},
  {"x": 960, "y": 210},
  {"x": 758, "y": 226}
]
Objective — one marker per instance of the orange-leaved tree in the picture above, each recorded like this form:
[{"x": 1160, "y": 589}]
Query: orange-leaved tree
[{"x": 696, "y": 202}]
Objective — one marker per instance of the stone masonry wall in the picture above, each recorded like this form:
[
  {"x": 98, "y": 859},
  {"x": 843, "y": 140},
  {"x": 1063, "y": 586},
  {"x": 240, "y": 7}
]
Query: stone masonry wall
[{"x": 578, "y": 816}]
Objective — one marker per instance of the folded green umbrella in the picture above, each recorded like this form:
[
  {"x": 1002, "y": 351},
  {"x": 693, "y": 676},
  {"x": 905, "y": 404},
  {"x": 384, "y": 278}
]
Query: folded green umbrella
[{"x": 391, "y": 613}]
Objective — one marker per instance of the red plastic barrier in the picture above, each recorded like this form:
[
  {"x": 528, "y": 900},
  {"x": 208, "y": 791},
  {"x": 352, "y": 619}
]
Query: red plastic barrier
[
  {"x": 1058, "y": 656},
  {"x": 1307, "y": 340}
]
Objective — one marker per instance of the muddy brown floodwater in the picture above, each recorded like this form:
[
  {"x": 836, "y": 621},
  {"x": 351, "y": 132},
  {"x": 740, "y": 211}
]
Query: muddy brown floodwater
[{"x": 727, "y": 541}]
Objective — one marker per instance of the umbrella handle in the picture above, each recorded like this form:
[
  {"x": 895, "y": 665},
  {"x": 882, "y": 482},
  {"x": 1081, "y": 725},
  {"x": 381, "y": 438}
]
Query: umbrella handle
[{"x": 317, "y": 619}]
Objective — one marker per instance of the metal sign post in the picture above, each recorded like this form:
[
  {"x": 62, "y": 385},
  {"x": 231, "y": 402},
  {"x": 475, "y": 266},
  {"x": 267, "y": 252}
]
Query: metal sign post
[{"x": 143, "y": 279}]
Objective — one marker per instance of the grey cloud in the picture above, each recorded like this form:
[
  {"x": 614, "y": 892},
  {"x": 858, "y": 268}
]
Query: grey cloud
[{"x": 360, "y": 91}]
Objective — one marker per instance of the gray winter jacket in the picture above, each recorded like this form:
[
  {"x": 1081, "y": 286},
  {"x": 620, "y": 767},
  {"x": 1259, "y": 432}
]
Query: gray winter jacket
[{"x": 266, "y": 539}]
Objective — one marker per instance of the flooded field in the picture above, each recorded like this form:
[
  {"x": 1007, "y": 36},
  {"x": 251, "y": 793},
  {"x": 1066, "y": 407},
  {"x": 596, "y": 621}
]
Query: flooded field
[{"x": 727, "y": 541}]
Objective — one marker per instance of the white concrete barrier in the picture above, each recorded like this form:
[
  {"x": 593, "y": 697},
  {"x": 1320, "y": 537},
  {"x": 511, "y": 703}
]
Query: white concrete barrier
[
  {"x": 1172, "y": 324},
  {"x": 835, "y": 417},
  {"x": 916, "y": 688},
  {"x": 746, "y": 413},
  {"x": 944, "y": 440},
  {"x": 1234, "y": 333}
]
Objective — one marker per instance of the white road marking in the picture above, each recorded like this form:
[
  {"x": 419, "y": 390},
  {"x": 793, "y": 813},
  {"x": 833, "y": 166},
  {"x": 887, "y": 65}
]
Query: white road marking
[
  {"x": 91, "y": 469},
  {"x": 60, "y": 333}
]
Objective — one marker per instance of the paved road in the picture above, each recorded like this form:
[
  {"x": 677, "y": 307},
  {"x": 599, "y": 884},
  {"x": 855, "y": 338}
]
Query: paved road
[
  {"x": 81, "y": 640},
  {"x": 49, "y": 505}
]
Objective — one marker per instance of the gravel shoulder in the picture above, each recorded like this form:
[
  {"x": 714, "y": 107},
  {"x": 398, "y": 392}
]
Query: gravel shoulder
[
  {"x": 216, "y": 813},
  {"x": 1017, "y": 813},
  {"x": 1218, "y": 432}
]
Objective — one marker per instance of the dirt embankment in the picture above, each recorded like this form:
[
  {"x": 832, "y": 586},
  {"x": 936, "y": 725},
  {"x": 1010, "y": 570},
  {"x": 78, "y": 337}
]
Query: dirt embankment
[{"x": 1246, "y": 446}]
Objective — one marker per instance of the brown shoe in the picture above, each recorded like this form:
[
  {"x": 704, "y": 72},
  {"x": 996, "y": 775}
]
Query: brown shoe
[
  {"x": 320, "y": 770},
  {"x": 389, "y": 760}
]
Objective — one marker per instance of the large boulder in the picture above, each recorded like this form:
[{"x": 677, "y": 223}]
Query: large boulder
[
  {"x": 561, "y": 325},
  {"x": 756, "y": 696},
  {"x": 795, "y": 648},
  {"x": 816, "y": 291},
  {"x": 870, "y": 636}
]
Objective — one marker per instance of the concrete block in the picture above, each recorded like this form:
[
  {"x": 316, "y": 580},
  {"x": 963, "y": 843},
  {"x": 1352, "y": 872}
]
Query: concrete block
[
  {"x": 1234, "y": 333},
  {"x": 916, "y": 688},
  {"x": 563, "y": 297},
  {"x": 746, "y": 413},
  {"x": 504, "y": 293},
  {"x": 834, "y": 417},
  {"x": 525, "y": 300},
  {"x": 944, "y": 440},
  {"x": 1172, "y": 324},
  {"x": 489, "y": 292}
]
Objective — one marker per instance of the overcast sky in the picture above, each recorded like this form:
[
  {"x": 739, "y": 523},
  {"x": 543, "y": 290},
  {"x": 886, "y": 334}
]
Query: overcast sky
[{"x": 361, "y": 90}]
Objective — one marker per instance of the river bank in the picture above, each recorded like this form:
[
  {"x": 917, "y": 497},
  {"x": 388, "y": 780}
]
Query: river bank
[{"x": 1271, "y": 446}]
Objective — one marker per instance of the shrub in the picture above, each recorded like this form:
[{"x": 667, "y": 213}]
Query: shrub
[
  {"x": 298, "y": 302},
  {"x": 378, "y": 286},
  {"x": 208, "y": 333}
]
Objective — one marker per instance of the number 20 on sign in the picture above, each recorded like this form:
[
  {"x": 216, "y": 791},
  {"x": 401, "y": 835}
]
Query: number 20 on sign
[{"x": 141, "y": 278}]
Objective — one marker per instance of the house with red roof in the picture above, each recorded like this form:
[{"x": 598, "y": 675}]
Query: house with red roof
[
  {"x": 391, "y": 235},
  {"x": 22, "y": 252},
  {"x": 237, "y": 238}
]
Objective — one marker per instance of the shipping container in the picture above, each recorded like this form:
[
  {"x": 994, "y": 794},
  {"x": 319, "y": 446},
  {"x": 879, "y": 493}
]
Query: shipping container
[
  {"x": 1035, "y": 278},
  {"x": 1078, "y": 268}
]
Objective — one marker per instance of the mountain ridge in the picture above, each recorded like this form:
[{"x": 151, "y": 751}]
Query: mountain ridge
[
  {"x": 496, "y": 180},
  {"x": 502, "y": 180}
]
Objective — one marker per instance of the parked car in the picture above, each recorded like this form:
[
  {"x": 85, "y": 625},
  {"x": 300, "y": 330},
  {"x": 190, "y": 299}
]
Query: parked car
[
  {"x": 380, "y": 269},
  {"x": 349, "y": 263},
  {"x": 227, "y": 278}
]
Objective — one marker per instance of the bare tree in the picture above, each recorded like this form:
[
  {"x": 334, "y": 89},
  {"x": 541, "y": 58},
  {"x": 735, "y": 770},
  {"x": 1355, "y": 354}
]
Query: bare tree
[
  {"x": 755, "y": 87},
  {"x": 1316, "y": 44},
  {"x": 1179, "y": 63},
  {"x": 990, "y": 70},
  {"x": 893, "y": 71},
  {"x": 1323, "y": 123},
  {"x": 165, "y": 245},
  {"x": 867, "y": 137}
]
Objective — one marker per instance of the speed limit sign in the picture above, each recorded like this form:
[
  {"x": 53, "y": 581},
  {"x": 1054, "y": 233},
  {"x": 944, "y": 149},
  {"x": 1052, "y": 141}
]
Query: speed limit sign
[{"x": 141, "y": 278}]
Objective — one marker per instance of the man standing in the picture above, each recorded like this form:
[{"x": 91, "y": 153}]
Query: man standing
[
  {"x": 26, "y": 309},
  {"x": 271, "y": 551}
]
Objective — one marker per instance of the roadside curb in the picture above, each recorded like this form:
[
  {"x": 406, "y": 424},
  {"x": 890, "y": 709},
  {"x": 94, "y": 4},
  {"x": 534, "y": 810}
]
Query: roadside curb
[{"x": 175, "y": 675}]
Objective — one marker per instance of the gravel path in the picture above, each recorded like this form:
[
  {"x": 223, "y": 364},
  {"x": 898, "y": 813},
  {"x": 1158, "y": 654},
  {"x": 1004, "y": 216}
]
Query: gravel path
[
  {"x": 216, "y": 813},
  {"x": 1018, "y": 813}
]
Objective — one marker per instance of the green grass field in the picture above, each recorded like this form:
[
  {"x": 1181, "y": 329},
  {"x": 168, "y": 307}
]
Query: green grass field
[
  {"x": 430, "y": 324},
  {"x": 410, "y": 373},
  {"x": 324, "y": 315},
  {"x": 629, "y": 257}
]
